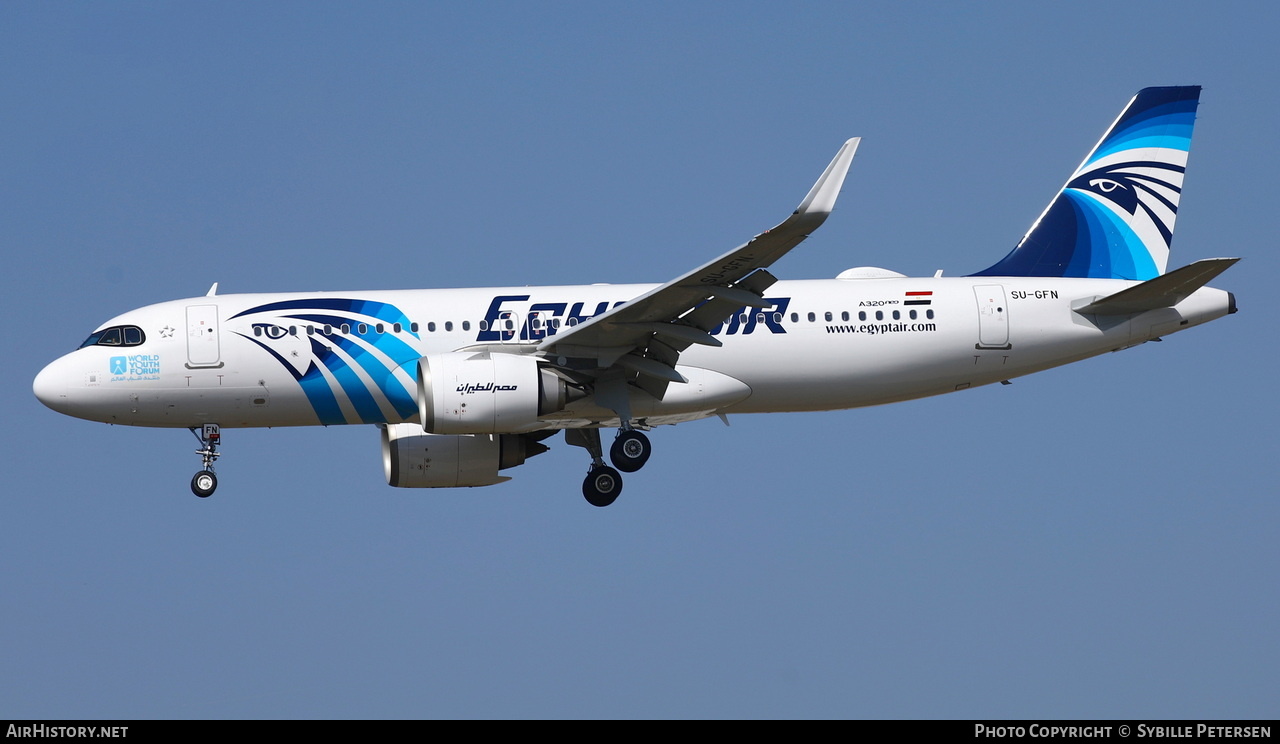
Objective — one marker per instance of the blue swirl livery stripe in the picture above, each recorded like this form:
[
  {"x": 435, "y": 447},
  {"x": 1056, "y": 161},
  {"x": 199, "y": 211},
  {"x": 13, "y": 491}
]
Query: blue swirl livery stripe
[
  {"x": 355, "y": 388},
  {"x": 364, "y": 373},
  {"x": 320, "y": 395},
  {"x": 1115, "y": 216},
  {"x": 368, "y": 308},
  {"x": 314, "y": 386},
  {"x": 1100, "y": 226},
  {"x": 396, "y": 394},
  {"x": 1150, "y": 123}
]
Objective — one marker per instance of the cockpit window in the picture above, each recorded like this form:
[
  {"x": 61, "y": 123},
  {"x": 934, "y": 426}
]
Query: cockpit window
[{"x": 116, "y": 336}]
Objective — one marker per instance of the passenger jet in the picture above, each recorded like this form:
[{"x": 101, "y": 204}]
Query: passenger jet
[{"x": 467, "y": 383}]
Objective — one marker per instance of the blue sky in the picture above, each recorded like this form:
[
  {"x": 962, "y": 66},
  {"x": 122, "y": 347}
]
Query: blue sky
[{"x": 1093, "y": 541}]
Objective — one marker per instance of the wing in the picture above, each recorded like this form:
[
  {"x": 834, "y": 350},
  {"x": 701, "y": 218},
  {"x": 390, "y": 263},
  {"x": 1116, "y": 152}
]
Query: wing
[{"x": 644, "y": 337}]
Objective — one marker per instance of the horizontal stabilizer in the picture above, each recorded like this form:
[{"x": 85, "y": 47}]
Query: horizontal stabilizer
[{"x": 1166, "y": 290}]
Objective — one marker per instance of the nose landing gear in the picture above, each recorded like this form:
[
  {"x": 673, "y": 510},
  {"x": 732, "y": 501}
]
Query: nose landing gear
[{"x": 205, "y": 482}]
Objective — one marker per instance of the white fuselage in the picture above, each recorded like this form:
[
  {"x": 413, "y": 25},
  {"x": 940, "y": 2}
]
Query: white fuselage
[{"x": 256, "y": 360}]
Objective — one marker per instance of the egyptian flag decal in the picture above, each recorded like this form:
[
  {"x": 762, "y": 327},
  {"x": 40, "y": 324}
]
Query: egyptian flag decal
[{"x": 919, "y": 298}]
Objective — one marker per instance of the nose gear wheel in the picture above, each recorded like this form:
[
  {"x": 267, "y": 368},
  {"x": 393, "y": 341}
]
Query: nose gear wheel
[{"x": 204, "y": 483}]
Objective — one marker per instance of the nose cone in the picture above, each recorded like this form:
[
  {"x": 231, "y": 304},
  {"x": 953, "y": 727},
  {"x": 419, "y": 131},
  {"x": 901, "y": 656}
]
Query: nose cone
[{"x": 50, "y": 387}]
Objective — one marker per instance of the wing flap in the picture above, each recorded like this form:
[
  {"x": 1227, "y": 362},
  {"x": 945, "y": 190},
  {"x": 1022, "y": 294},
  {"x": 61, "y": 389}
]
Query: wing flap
[{"x": 638, "y": 344}]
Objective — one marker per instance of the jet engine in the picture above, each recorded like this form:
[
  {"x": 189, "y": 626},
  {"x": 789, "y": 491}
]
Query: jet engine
[
  {"x": 412, "y": 458},
  {"x": 484, "y": 393}
]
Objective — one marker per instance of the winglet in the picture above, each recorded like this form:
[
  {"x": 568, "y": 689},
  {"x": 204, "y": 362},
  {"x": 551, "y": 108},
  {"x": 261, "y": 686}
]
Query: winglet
[
  {"x": 821, "y": 199},
  {"x": 717, "y": 288}
]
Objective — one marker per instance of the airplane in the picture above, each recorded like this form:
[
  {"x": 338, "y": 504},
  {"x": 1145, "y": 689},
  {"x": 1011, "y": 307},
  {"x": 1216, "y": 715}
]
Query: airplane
[{"x": 467, "y": 383}]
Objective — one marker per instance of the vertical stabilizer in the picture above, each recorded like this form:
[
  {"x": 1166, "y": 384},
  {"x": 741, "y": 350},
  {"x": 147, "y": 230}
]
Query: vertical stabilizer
[{"x": 1114, "y": 217}]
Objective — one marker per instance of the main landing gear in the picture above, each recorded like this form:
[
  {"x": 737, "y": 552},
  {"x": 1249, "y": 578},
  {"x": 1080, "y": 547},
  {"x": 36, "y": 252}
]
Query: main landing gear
[
  {"x": 629, "y": 453},
  {"x": 602, "y": 486},
  {"x": 205, "y": 482},
  {"x": 630, "y": 450}
]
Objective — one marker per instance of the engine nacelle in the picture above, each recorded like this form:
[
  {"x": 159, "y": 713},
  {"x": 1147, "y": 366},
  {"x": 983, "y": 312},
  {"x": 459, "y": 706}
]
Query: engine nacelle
[
  {"x": 412, "y": 458},
  {"x": 484, "y": 393}
]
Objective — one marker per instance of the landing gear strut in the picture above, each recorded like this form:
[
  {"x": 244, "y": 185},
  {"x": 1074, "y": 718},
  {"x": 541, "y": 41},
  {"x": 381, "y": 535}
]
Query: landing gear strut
[
  {"x": 603, "y": 484},
  {"x": 205, "y": 482},
  {"x": 629, "y": 453}
]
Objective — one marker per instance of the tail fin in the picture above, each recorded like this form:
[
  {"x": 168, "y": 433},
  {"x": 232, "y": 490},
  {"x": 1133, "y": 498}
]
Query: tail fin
[{"x": 1114, "y": 217}]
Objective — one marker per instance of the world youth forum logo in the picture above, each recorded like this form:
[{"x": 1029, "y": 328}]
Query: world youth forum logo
[{"x": 136, "y": 367}]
